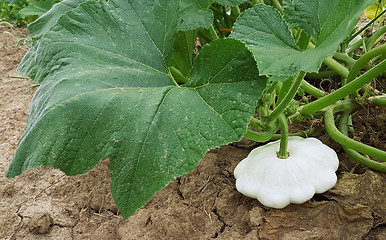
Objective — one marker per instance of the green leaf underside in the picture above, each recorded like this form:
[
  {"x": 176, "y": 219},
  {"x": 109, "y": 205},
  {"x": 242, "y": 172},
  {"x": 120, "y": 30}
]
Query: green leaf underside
[
  {"x": 36, "y": 8},
  {"x": 105, "y": 93},
  {"x": 38, "y": 28},
  {"x": 266, "y": 33}
]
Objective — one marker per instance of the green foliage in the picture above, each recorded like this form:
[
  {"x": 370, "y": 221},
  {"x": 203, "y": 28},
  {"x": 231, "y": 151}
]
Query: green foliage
[
  {"x": 22, "y": 12},
  {"x": 105, "y": 93},
  {"x": 229, "y": 2},
  {"x": 273, "y": 45},
  {"x": 126, "y": 80}
]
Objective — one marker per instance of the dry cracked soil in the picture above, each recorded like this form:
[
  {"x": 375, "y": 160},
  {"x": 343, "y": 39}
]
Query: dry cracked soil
[{"x": 45, "y": 204}]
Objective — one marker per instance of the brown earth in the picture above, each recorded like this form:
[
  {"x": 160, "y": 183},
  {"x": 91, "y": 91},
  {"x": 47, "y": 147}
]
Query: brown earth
[{"x": 43, "y": 203}]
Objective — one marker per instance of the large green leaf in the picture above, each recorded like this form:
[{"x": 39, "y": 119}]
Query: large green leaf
[
  {"x": 105, "y": 93},
  {"x": 194, "y": 14},
  {"x": 325, "y": 20},
  {"x": 266, "y": 33}
]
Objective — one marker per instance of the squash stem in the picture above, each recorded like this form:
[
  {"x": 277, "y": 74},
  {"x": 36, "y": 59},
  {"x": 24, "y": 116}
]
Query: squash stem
[
  {"x": 283, "y": 122},
  {"x": 379, "y": 100},
  {"x": 213, "y": 32},
  {"x": 258, "y": 136},
  {"x": 277, "y": 5},
  {"x": 346, "y": 141},
  {"x": 363, "y": 60},
  {"x": 365, "y": 27},
  {"x": 335, "y": 65},
  {"x": 287, "y": 98},
  {"x": 349, "y": 88},
  {"x": 172, "y": 78},
  {"x": 323, "y": 74},
  {"x": 343, "y": 127},
  {"x": 308, "y": 88},
  {"x": 177, "y": 75},
  {"x": 304, "y": 134}
]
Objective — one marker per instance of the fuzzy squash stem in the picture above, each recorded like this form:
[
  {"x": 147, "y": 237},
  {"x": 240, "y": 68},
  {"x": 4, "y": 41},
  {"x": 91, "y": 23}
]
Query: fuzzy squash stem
[
  {"x": 379, "y": 100},
  {"x": 343, "y": 127},
  {"x": 258, "y": 136},
  {"x": 308, "y": 88},
  {"x": 213, "y": 32},
  {"x": 348, "y": 142},
  {"x": 363, "y": 60},
  {"x": 283, "y": 122},
  {"x": 287, "y": 99},
  {"x": 345, "y": 90}
]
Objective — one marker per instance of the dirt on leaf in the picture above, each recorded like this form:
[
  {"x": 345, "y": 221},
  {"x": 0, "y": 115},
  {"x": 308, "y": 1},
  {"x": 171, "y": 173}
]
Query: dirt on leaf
[{"x": 43, "y": 203}]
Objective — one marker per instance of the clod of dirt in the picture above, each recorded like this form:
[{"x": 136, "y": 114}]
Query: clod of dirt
[
  {"x": 379, "y": 233},
  {"x": 40, "y": 223},
  {"x": 366, "y": 189},
  {"x": 318, "y": 220}
]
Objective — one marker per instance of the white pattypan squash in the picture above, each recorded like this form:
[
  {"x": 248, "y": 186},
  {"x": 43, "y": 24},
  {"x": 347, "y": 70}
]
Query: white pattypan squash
[{"x": 309, "y": 169}]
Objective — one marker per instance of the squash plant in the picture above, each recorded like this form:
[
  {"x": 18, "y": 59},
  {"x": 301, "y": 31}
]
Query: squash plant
[{"x": 125, "y": 80}]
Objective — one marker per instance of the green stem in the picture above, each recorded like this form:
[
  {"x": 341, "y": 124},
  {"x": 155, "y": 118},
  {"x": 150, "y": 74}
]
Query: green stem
[
  {"x": 213, "y": 32},
  {"x": 178, "y": 76},
  {"x": 366, "y": 26},
  {"x": 343, "y": 127},
  {"x": 236, "y": 10},
  {"x": 365, "y": 161},
  {"x": 355, "y": 46},
  {"x": 345, "y": 58},
  {"x": 287, "y": 99},
  {"x": 333, "y": 64},
  {"x": 323, "y": 74},
  {"x": 172, "y": 78},
  {"x": 258, "y": 136},
  {"x": 371, "y": 41},
  {"x": 283, "y": 122},
  {"x": 272, "y": 87},
  {"x": 277, "y": 5},
  {"x": 257, "y": 123},
  {"x": 303, "y": 134},
  {"x": 345, "y": 90},
  {"x": 363, "y": 60},
  {"x": 348, "y": 142},
  {"x": 379, "y": 100},
  {"x": 308, "y": 88},
  {"x": 339, "y": 68}
]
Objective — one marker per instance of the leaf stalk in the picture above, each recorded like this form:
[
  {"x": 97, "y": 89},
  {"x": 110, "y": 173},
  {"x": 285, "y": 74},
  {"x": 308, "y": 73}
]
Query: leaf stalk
[
  {"x": 287, "y": 99},
  {"x": 346, "y": 141},
  {"x": 344, "y": 91},
  {"x": 343, "y": 127}
]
